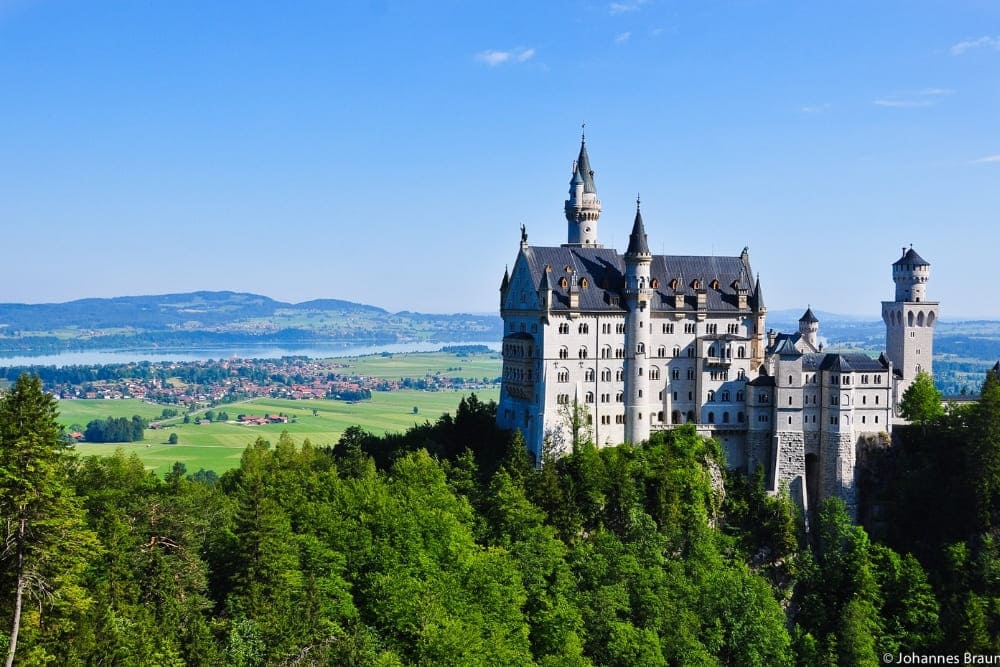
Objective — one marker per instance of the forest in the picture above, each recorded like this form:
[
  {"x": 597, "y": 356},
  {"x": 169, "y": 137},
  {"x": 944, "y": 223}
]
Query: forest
[{"x": 445, "y": 545}]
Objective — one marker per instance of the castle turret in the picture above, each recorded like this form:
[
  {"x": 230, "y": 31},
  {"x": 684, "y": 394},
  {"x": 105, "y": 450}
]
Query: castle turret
[
  {"x": 910, "y": 319},
  {"x": 638, "y": 295},
  {"x": 809, "y": 329},
  {"x": 583, "y": 208},
  {"x": 757, "y": 344}
]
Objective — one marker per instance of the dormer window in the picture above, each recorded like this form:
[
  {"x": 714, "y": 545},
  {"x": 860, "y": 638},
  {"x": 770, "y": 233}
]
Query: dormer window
[
  {"x": 584, "y": 283},
  {"x": 654, "y": 283},
  {"x": 715, "y": 284},
  {"x": 563, "y": 282},
  {"x": 673, "y": 284}
]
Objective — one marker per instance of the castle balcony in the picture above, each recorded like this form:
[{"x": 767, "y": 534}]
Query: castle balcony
[{"x": 724, "y": 362}]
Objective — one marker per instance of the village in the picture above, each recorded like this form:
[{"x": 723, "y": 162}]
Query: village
[{"x": 201, "y": 384}]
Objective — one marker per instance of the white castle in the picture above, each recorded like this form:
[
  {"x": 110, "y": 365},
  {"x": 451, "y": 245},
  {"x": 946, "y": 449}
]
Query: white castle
[{"x": 626, "y": 345}]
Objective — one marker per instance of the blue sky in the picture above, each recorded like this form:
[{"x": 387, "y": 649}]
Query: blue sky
[{"x": 388, "y": 152}]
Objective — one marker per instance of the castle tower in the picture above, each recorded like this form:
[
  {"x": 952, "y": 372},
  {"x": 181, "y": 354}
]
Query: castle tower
[
  {"x": 638, "y": 297},
  {"x": 910, "y": 319},
  {"x": 809, "y": 328},
  {"x": 583, "y": 208}
]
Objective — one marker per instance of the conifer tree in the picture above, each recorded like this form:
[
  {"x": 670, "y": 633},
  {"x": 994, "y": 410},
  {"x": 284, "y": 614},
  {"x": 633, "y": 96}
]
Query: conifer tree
[{"x": 45, "y": 541}]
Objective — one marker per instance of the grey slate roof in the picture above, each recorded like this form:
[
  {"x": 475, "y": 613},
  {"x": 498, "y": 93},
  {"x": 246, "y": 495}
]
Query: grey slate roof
[
  {"x": 584, "y": 170},
  {"x": 604, "y": 272},
  {"x": 850, "y": 362},
  {"x": 911, "y": 257},
  {"x": 786, "y": 348},
  {"x": 637, "y": 243},
  {"x": 758, "y": 295},
  {"x": 808, "y": 316}
]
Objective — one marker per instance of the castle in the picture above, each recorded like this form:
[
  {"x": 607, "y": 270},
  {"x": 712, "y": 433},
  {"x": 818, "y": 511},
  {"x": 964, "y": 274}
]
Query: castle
[{"x": 620, "y": 346}]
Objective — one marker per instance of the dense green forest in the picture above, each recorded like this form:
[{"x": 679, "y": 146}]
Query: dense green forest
[{"x": 445, "y": 545}]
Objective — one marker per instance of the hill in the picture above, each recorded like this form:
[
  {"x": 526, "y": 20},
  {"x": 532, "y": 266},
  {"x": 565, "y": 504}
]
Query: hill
[{"x": 219, "y": 318}]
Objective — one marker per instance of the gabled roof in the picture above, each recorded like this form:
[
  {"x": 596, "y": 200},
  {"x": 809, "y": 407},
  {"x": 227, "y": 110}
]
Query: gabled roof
[
  {"x": 850, "y": 362},
  {"x": 600, "y": 273},
  {"x": 786, "y": 348},
  {"x": 911, "y": 257}
]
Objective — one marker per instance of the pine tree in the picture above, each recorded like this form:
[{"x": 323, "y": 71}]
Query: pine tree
[{"x": 46, "y": 542}]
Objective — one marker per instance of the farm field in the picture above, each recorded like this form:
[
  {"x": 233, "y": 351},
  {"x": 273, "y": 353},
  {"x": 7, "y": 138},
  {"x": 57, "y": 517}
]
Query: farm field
[
  {"x": 417, "y": 365},
  {"x": 218, "y": 446}
]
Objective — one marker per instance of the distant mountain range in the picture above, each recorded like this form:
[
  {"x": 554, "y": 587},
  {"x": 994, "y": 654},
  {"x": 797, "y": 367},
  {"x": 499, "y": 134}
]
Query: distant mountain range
[{"x": 210, "y": 318}]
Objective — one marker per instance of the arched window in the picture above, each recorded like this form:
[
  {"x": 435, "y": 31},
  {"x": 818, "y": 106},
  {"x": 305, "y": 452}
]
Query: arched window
[
  {"x": 563, "y": 282},
  {"x": 584, "y": 283},
  {"x": 640, "y": 348},
  {"x": 725, "y": 396},
  {"x": 920, "y": 319},
  {"x": 619, "y": 375},
  {"x": 741, "y": 352},
  {"x": 605, "y": 375},
  {"x": 740, "y": 417},
  {"x": 909, "y": 318},
  {"x": 711, "y": 394},
  {"x": 930, "y": 319},
  {"x": 583, "y": 328},
  {"x": 655, "y": 284},
  {"x": 725, "y": 417},
  {"x": 675, "y": 374},
  {"x": 562, "y": 375},
  {"x": 673, "y": 284},
  {"x": 582, "y": 353},
  {"x": 690, "y": 416},
  {"x": 589, "y": 398},
  {"x": 675, "y": 417},
  {"x": 654, "y": 373},
  {"x": 711, "y": 417},
  {"x": 714, "y": 284},
  {"x": 564, "y": 352},
  {"x": 588, "y": 375},
  {"x": 661, "y": 351},
  {"x": 677, "y": 350}
]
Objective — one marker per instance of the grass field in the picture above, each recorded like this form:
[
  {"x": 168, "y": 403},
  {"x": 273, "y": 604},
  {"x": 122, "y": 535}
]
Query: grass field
[{"x": 218, "y": 446}]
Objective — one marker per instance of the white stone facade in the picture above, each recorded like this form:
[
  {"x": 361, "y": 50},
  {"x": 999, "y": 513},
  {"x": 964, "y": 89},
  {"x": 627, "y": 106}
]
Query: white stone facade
[{"x": 635, "y": 343}]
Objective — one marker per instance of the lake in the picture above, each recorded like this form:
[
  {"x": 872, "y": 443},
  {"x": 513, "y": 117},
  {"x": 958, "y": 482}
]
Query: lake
[{"x": 312, "y": 350}]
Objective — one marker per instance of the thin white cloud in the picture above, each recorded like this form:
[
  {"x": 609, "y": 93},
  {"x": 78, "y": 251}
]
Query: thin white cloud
[
  {"x": 625, "y": 7},
  {"x": 493, "y": 57},
  {"x": 621, "y": 38},
  {"x": 985, "y": 42},
  {"x": 815, "y": 108},
  {"x": 902, "y": 104},
  {"x": 916, "y": 98},
  {"x": 988, "y": 158}
]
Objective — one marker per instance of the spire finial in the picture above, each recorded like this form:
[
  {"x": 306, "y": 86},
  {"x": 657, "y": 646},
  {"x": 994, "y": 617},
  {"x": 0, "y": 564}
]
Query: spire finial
[
  {"x": 638, "y": 200},
  {"x": 583, "y": 132}
]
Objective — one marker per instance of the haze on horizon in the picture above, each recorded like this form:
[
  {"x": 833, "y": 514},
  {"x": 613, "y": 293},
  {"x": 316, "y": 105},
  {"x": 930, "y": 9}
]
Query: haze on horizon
[{"x": 388, "y": 152}]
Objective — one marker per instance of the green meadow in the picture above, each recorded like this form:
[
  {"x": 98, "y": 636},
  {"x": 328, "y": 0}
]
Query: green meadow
[{"x": 219, "y": 445}]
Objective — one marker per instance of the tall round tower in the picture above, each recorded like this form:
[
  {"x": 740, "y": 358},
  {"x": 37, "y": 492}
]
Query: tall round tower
[
  {"x": 583, "y": 208},
  {"x": 638, "y": 296},
  {"x": 909, "y": 320}
]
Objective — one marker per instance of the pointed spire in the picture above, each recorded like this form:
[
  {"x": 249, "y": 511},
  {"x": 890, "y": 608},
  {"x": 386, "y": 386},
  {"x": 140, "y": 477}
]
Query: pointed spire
[
  {"x": 808, "y": 316},
  {"x": 583, "y": 168},
  {"x": 545, "y": 280},
  {"x": 637, "y": 243},
  {"x": 506, "y": 279},
  {"x": 758, "y": 296}
]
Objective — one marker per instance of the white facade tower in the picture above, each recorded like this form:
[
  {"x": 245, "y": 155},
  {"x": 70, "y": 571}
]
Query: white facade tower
[{"x": 638, "y": 296}]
